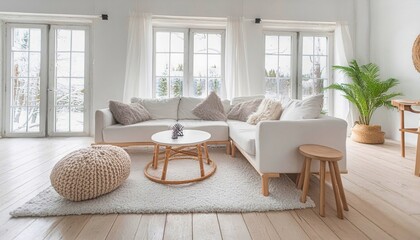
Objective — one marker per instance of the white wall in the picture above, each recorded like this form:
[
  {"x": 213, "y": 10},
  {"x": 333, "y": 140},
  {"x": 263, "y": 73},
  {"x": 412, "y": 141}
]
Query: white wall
[
  {"x": 110, "y": 37},
  {"x": 395, "y": 26}
]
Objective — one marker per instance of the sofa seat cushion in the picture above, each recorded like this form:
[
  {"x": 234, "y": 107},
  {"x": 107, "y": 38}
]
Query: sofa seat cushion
[
  {"x": 219, "y": 130},
  {"x": 243, "y": 134},
  {"x": 139, "y": 132}
]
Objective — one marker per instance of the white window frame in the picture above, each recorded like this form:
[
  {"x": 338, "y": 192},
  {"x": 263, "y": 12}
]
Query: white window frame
[
  {"x": 330, "y": 61},
  {"x": 296, "y": 66},
  {"x": 293, "y": 63},
  {"x": 43, "y": 81},
  {"x": 47, "y": 89},
  {"x": 191, "y": 58},
  {"x": 52, "y": 78},
  {"x": 184, "y": 82},
  {"x": 188, "y": 77}
]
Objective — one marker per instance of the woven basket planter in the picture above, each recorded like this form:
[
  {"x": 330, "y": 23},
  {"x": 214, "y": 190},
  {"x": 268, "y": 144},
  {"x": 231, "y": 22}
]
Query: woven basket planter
[
  {"x": 416, "y": 53},
  {"x": 368, "y": 134}
]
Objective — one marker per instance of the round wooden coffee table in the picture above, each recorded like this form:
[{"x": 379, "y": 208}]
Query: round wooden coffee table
[{"x": 189, "y": 146}]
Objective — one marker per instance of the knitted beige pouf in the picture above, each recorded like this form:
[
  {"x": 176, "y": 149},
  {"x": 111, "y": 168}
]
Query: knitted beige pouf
[{"x": 90, "y": 172}]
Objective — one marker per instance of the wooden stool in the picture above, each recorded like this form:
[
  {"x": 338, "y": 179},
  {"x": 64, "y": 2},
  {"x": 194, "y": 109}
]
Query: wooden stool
[{"x": 324, "y": 155}]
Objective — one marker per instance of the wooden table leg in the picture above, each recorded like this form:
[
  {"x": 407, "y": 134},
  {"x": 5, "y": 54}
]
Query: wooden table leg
[
  {"x": 200, "y": 159},
  {"x": 206, "y": 152},
  {"x": 156, "y": 156},
  {"x": 340, "y": 186},
  {"x": 306, "y": 179},
  {"x": 165, "y": 165},
  {"x": 417, "y": 167},
  {"x": 402, "y": 133},
  {"x": 322, "y": 188},
  {"x": 299, "y": 182},
  {"x": 336, "y": 192}
]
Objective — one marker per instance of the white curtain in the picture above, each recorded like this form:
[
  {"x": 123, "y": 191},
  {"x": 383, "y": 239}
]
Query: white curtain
[
  {"x": 343, "y": 54},
  {"x": 138, "y": 74},
  {"x": 236, "y": 74}
]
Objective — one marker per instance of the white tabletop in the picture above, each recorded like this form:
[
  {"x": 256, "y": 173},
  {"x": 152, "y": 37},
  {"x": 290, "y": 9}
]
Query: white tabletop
[{"x": 191, "y": 137}]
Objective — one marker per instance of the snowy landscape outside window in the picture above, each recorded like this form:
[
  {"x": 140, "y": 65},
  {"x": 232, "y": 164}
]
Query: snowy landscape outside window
[
  {"x": 188, "y": 62},
  {"x": 297, "y": 65},
  {"x": 25, "y": 80},
  {"x": 46, "y": 80}
]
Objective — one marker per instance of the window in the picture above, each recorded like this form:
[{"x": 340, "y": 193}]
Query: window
[
  {"x": 68, "y": 79},
  {"x": 187, "y": 62},
  {"x": 298, "y": 65},
  {"x": 279, "y": 64},
  {"x": 38, "y": 104},
  {"x": 208, "y": 60}
]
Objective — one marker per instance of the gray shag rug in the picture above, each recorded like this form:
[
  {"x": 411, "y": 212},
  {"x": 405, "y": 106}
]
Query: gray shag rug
[{"x": 234, "y": 187}]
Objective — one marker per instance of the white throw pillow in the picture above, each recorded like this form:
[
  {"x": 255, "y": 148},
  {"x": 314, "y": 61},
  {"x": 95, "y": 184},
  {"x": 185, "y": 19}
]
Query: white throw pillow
[
  {"x": 309, "y": 108},
  {"x": 160, "y": 108},
  {"x": 269, "y": 109}
]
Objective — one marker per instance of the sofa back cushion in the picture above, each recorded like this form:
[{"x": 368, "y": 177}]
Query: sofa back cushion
[
  {"x": 309, "y": 108},
  {"x": 160, "y": 108},
  {"x": 187, "y": 104},
  {"x": 237, "y": 100}
]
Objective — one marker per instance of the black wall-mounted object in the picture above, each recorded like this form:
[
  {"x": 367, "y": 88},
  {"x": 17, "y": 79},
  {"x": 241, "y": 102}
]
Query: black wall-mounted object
[
  {"x": 104, "y": 16},
  {"x": 257, "y": 20}
]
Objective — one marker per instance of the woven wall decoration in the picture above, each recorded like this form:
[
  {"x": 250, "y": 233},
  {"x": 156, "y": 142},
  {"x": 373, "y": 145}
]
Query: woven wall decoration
[{"x": 416, "y": 53}]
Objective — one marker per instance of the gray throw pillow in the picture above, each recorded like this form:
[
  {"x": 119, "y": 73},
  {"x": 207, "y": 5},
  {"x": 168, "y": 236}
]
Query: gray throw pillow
[
  {"x": 127, "y": 114},
  {"x": 241, "y": 111},
  {"x": 210, "y": 109}
]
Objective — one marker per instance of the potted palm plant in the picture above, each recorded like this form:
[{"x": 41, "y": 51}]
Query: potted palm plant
[{"x": 367, "y": 92}]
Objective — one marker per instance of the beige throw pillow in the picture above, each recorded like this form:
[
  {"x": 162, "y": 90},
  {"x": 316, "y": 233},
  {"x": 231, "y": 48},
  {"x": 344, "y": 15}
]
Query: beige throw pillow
[
  {"x": 241, "y": 111},
  {"x": 210, "y": 109},
  {"x": 269, "y": 109},
  {"x": 127, "y": 114}
]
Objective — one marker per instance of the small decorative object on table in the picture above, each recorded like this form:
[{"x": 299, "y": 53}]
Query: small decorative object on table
[{"x": 177, "y": 130}]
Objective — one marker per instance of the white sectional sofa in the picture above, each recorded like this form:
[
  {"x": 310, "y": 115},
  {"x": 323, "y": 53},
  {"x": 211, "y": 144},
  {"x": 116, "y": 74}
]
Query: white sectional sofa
[{"x": 270, "y": 146}]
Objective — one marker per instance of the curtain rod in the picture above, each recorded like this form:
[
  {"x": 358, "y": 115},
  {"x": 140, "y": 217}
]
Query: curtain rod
[
  {"x": 248, "y": 19},
  {"x": 291, "y": 21},
  {"x": 188, "y": 18},
  {"x": 14, "y": 15}
]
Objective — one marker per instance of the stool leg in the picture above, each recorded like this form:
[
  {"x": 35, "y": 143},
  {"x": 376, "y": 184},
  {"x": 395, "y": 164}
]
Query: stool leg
[
  {"x": 299, "y": 182},
  {"x": 200, "y": 159},
  {"x": 336, "y": 192},
  {"x": 340, "y": 186},
  {"x": 322, "y": 188},
  {"x": 306, "y": 180},
  {"x": 165, "y": 165}
]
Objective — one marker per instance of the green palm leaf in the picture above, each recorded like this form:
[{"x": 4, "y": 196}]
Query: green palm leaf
[{"x": 367, "y": 91}]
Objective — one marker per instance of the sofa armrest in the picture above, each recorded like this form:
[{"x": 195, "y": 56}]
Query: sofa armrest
[
  {"x": 103, "y": 119},
  {"x": 277, "y": 142}
]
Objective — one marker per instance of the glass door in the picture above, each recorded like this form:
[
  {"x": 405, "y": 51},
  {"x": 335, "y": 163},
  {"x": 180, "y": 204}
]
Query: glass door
[
  {"x": 26, "y": 80},
  {"x": 68, "y": 83},
  {"x": 46, "y": 80}
]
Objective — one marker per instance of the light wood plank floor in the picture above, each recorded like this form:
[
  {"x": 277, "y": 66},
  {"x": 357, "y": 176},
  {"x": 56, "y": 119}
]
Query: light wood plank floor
[{"x": 382, "y": 192}]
